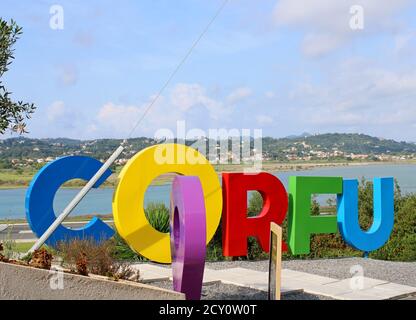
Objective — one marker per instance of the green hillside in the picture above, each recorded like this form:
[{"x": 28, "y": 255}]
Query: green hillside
[{"x": 309, "y": 147}]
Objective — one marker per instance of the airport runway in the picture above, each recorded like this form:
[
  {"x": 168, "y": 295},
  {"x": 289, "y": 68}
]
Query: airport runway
[{"x": 21, "y": 232}]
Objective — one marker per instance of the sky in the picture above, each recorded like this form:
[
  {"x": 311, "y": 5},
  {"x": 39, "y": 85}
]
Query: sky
[{"x": 283, "y": 66}]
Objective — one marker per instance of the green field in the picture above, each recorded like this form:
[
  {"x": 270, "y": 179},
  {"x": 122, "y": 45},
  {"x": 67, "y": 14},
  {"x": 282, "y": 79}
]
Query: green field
[
  {"x": 21, "y": 178},
  {"x": 12, "y": 178},
  {"x": 22, "y": 247}
]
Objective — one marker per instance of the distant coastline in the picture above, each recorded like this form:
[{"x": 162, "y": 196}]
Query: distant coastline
[
  {"x": 17, "y": 181},
  {"x": 12, "y": 201}
]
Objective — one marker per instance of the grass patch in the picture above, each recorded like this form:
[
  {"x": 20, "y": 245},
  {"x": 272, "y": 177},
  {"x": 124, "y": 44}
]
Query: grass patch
[{"x": 22, "y": 247}]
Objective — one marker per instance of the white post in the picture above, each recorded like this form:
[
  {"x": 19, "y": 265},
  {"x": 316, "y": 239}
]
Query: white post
[{"x": 71, "y": 206}]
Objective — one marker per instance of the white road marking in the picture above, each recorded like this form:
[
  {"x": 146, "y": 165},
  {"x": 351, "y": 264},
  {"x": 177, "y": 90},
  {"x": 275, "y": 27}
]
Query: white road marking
[{"x": 25, "y": 231}]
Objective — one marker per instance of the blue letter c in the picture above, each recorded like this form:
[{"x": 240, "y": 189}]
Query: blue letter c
[{"x": 41, "y": 192}]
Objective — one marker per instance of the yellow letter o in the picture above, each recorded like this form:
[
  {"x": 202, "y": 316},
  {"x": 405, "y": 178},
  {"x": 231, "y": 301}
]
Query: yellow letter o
[{"x": 134, "y": 179}]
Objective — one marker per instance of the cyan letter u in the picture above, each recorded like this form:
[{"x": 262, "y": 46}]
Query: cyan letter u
[{"x": 383, "y": 220}]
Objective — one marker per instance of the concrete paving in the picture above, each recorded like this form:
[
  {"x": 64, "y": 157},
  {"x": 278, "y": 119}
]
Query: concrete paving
[
  {"x": 150, "y": 272},
  {"x": 363, "y": 288},
  {"x": 380, "y": 292},
  {"x": 253, "y": 279}
]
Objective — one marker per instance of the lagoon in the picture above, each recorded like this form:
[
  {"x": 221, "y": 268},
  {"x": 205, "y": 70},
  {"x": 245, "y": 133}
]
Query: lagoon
[{"x": 98, "y": 201}]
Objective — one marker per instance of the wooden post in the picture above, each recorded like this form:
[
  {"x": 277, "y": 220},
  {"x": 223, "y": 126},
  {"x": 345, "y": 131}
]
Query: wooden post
[{"x": 275, "y": 264}]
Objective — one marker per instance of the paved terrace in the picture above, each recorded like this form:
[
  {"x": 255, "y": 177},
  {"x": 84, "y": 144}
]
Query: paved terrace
[{"x": 293, "y": 281}]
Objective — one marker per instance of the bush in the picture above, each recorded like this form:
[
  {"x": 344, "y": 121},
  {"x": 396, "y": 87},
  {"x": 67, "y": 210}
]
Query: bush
[
  {"x": 3, "y": 258},
  {"x": 89, "y": 256},
  {"x": 158, "y": 216},
  {"x": 122, "y": 251},
  {"x": 214, "y": 248},
  {"x": 7, "y": 246},
  {"x": 255, "y": 204},
  {"x": 330, "y": 245},
  {"x": 41, "y": 258},
  {"x": 401, "y": 245}
]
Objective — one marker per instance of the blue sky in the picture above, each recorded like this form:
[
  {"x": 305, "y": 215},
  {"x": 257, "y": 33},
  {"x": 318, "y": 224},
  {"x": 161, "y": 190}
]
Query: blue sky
[{"x": 285, "y": 66}]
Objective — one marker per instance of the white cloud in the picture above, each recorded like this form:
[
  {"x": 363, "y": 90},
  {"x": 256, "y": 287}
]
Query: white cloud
[
  {"x": 239, "y": 94},
  {"x": 326, "y": 23},
  {"x": 119, "y": 118},
  {"x": 61, "y": 119},
  {"x": 317, "y": 44},
  {"x": 186, "y": 96},
  {"x": 68, "y": 75},
  {"x": 55, "y": 111},
  {"x": 184, "y": 101},
  {"x": 84, "y": 39},
  {"x": 264, "y": 120},
  {"x": 270, "y": 94},
  {"x": 405, "y": 44},
  {"x": 358, "y": 96}
]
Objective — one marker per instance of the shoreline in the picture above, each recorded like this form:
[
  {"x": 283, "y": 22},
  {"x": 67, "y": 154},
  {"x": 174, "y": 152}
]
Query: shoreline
[
  {"x": 166, "y": 179},
  {"x": 267, "y": 166},
  {"x": 80, "y": 218}
]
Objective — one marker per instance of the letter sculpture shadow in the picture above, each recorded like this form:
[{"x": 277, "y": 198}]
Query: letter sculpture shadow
[
  {"x": 188, "y": 236},
  {"x": 39, "y": 199}
]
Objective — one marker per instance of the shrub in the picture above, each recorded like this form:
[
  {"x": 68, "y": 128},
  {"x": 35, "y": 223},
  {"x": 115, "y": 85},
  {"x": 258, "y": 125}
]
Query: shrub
[
  {"x": 41, "y": 258},
  {"x": 214, "y": 248},
  {"x": 158, "y": 216},
  {"x": 3, "y": 258},
  {"x": 330, "y": 245},
  {"x": 402, "y": 243},
  {"x": 122, "y": 251},
  {"x": 7, "y": 247},
  {"x": 89, "y": 256},
  {"x": 255, "y": 204},
  {"x": 401, "y": 246}
]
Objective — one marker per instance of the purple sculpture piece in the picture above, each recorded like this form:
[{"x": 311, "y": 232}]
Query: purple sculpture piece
[{"x": 188, "y": 236}]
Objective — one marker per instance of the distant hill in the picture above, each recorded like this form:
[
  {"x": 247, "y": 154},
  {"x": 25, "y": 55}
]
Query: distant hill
[
  {"x": 304, "y": 146},
  {"x": 336, "y": 143},
  {"x": 25, "y": 148},
  {"x": 303, "y": 135}
]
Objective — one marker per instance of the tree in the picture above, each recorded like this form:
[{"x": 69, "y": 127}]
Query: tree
[
  {"x": 12, "y": 114},
  {"x": 255, "y": 204}
]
